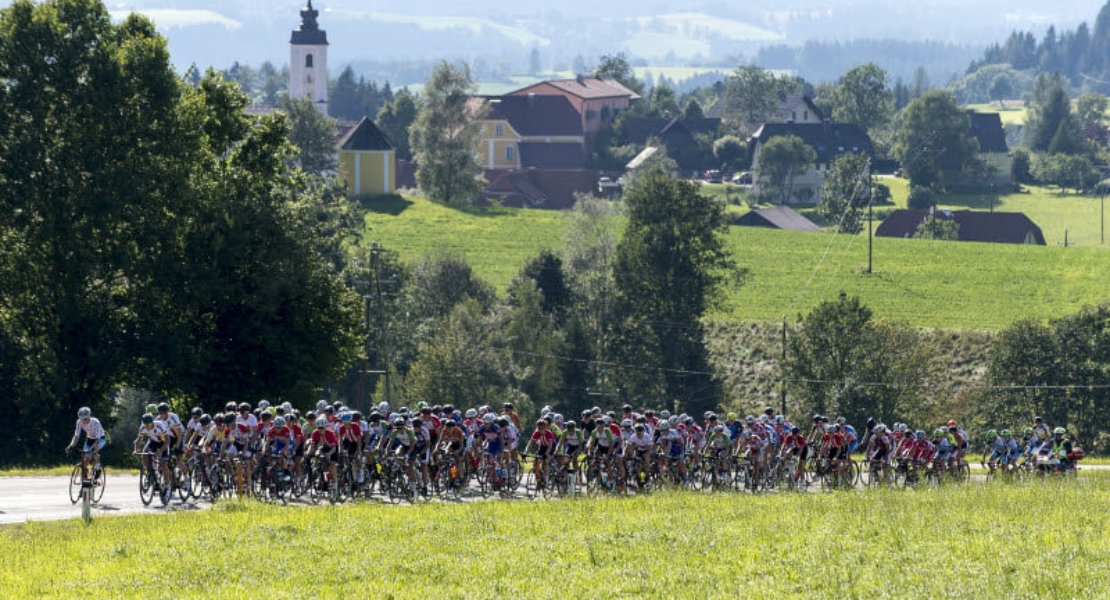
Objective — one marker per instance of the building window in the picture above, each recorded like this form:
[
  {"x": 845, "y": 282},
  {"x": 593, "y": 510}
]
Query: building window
[
  {"x": 793, "y": 115},
  {"x": 805, "y": 115},
  {"x": 510, "y": 153},
  {"x": 308, "y": 61},
  {"x": 498, "y": 129}
]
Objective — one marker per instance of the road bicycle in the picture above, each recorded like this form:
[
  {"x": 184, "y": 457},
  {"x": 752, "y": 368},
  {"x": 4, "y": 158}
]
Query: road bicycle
[{"x": 81, "y": 486}]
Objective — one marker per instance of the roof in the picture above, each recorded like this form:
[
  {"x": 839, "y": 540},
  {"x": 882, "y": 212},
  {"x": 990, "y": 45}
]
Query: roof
[
  {"x": 987, "y": 128},
  {"x": 778, "y": 217},
  {"x": 792, "y": 103},
  {"x": 638, "y": 130},
  {"x": 366, "y": 137},
  {"x": 539, "y": 188},
  {"x": 309, "y": 33},
  {"x": 583, "y": 87},
  {"x": 975, "y": 226},
  {"x": 828, "y": 139},
  {"x": 537, "y": 114},
  {"x": 552, "y": 155},
  {"x": 640, "y": 158}
]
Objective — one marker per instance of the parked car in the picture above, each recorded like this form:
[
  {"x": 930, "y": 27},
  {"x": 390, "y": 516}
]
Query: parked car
[
  {"x": 712, "y": 176},
  {"x": 743, "y": 178}
]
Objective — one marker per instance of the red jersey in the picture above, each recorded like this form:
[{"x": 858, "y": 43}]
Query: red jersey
[
  {"x": 834, "y": 440},
  {"x": 298, "y": 433},
  {"x": 280, "y": 433},
  {"x": 794, "y": 441},
  {"x": 325, "y": 436},
  {"x": 543, "y": 438},
  {"x": 350, "y": 432}
]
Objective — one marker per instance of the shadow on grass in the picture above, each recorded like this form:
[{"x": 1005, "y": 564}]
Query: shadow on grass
[
  {"x": 391, "y": 204},
  {"x": 887, "y": 279},
  {"x": 984, "y": 199}
]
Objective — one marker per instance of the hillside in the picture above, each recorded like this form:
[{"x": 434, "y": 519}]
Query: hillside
[{"x": 929, "y": 284}]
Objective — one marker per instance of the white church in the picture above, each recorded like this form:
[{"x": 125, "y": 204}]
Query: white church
[{"x": 308, "y": 60}]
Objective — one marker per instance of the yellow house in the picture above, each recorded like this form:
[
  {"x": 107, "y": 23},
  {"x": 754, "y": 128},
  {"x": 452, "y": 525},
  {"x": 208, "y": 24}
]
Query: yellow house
[
  {"x": 522, "y": 132},
  {"x": 367, "y": 162}
]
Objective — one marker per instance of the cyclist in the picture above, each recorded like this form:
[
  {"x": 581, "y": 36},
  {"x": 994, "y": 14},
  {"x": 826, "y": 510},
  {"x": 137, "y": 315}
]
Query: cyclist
[
  {"x": 489, "y": 434},
  {"x": 154, "y": 436},
  {"x": 1041, "y": 433},
  {"x": 959, "y": 444},
  {"x": 942, "y": 444},
  {"x": 177, "y": 433},
  {"x": 543, "y": 442},
  {"x": 509, "y": 437},
  {"x": 95, "y": 440},
  {"x": 569, "y": 446},
  {"x": 795, "y": 445},
  {"x": 452, "y": 441},
  {"x": 879, "y": 449},
  {"x": 638, "y": 447},
  {"x": 997, "y": 449},
  {"x": 507, "y": 410},
  {"x": 672, "y": 448},
  {"x": 324, "y": 445}
]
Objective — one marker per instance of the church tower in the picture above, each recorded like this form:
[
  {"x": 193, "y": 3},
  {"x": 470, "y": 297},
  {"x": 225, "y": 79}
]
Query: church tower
[{"x": 308, "y": 60}]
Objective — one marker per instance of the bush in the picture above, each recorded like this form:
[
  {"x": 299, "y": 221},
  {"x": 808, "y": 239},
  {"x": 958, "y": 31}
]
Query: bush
[
  {"x": 880, "y": 194},
  {"x": 1019, "y": 168},
  {"x": 732, "y": 152},
  {"x": 921, "y": 197},
  {"x": 1065, "y": 170}
]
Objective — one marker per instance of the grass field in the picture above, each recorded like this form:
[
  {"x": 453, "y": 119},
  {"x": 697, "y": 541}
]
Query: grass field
[
  {"x": 1011, "y": 113},
  {"x": 1046, "y": 539},
  {"x": 932, "y": 284}
]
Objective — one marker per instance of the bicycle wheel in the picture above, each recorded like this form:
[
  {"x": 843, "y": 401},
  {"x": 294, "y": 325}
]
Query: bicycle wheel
[
  {"x": 75, "y": 485},
  {"x": 184, "y": 482},
  {"x": 146, "y": 484},
  {"x": 164, "y": 488},
  {"x": 100, "y": 480}
]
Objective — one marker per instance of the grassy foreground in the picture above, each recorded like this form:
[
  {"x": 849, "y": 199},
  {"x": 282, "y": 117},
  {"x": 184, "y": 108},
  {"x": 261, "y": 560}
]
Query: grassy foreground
[{"x": 1038, "y": 540}]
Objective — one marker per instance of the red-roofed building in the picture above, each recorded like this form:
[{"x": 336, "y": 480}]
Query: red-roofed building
[{"x": 596, "y": 100}]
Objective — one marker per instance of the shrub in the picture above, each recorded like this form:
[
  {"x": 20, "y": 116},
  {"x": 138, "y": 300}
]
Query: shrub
[
  {"x": 921, "y": 197},
  {"x": 1019, "y": 168}
]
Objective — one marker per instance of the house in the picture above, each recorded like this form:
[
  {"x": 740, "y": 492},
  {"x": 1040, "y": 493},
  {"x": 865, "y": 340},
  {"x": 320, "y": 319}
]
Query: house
[
  {"x": 678, "y": 134},
  {"x": 792, "y": 108},
  {"x": 520, "y": 132},
  {"x": 777, "y": 217},
  {"x": 975, "y": 226},
  {"x": 597, "y": 100},
  {"x": 538, "y": 188},
  {"x": 367, "y": 161},
  {"x": 828, "y": 141},
  {"x": 986, "y": 128}
]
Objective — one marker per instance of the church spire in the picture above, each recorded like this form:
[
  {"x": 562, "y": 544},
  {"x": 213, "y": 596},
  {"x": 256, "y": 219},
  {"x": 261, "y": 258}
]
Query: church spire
[{"x": 309, "y": 32}]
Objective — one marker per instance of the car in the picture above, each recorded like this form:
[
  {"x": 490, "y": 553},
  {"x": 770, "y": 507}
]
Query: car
[
  {"x": 743, "y": 178},
  {"x": 713, "y": 176}
]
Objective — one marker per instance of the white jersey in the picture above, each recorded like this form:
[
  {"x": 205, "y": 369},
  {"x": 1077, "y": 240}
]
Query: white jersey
[
  {"x": 158, "y": 433},
  {"x": 171, "y": 419},
  {"x": 245, "y": 427},
  {"x": 93, "y": 429},
  {"x": 641, "y": 442},
  {"x": 194, "y": 426}
]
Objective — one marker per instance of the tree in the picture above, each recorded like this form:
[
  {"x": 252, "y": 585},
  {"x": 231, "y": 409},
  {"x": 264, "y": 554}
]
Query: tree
[
  {"x": 938, "y": 229},
  {"x": 444, "y": 137},
  {"x": 1001, "y": 88},
  {"x": 752, "y": 97},
  {"x": 862, "y": 97},
  {"x": 159, "y": 238},
  {"x": 843, "y": 362},
  {"x": 545, "y": 271},
  {"x": 395, "y": 120},
  {"x": 669, "y": 267},
  {"x": 693, "y": 110},
  {"x": 846, "y": 188},
  {"x": 312, "y": 133},
  {"x": 1051, "y": 112},
  {"x": 934, "y": 140},
  {"x": 1091, "y": 108},
  {"x": 663, "y": 101},
  {"x": 616, "y": 66},
  {"x": 731, "y": 151},
  {"x": 1019, "y": 167},
  {"x": 779, "y": 161},
  {"x": 921, "y": 197}
]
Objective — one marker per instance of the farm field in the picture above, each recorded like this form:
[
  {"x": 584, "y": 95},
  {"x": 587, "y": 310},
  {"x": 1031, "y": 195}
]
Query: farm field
[
  {"x": 927, "y": 283},
  {"x": 1012, "y": 112},
  {"x": 860, "y": 544}
]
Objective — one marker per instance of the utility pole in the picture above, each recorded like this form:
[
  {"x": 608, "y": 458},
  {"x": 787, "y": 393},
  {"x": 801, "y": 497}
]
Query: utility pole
[
  {"x": 1102, "y": 214},
  {"x": 870, "y": 227},
  {"x": 383, "y": 329},
  {"x": 782, "y": 366}
]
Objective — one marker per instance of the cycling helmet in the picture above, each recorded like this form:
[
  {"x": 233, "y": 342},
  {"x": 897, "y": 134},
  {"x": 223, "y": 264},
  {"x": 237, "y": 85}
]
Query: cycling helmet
[
  {"x": 719, "y": 428},
  {"x": 356, "y": 416},
  {"x": 320, "y": 405},
  {"x": 1006, "y": 433},
  {"x": 148, "y": 418},
  {"x": 417, "y": 423},
  {"x": 280, "y": 410},
  {"x": 151, "y": 408},
  {"x": 596, "y": 410},
  {"x": 377, "y": 416},
  {"x": 544, "y": 411},
  {"x": 817, "y": 418},
  {"x": 287, "y": 406},
  {"x": 84, "y": 412},
  {"x": 780, "y": 419},
  {"x": 880, "y": 429},
  {"x": 449, "y": 423},
  {"x": 1059, "y": 431},
  {"x": 503, "y": 421},
  {"x": 664, "y": 414},
  {"x": 448, "y": 408},
  {"x": 640, "y": 429},
  {"x": 1037, "y": 419},
  {"x": 266, "y": 416},
  {"x": 399, "y": 421},
  {"x": 586, "y": 413},
  {"x": 571, "y": 425},
  {"x": 487, "y": 418},
  {"x": 383, "y": 407},
  {"x": 705, "y": 415},
  {"x": 991, "y": 433},
  {"x": 403, "y": 411},
  {"x": 1028, "y": 431},
  {"x": 649, "y": 413},
  {"x": 770, "y": 410},
  {"x": 830, "y": 427},
  {"x": 205, "y": 419},
  {"x": 607, "y": 419},
  {"x": 329, "y": 409},
  {"x": 919, "y": 434},
  {"x": 939, "y": 432},
  {"x": 197, "y": 411},
  {"x": 230, "y": 407},
  {"x": 841, "y": 420},
  {"x": 664, "y": 426},
  {"x": 795, "y": 430},
  {"x": 626, "y": 423},
  {"x": 279, "y": 422},
  {"x": 263, "y": 404},
  {"x": 673, "y": 420},
  {"x": 229, "y": 419},
  {"x": 953, "y": 423},
  {"x": 321, "y": 423},
  {"x": 346, "y": 417},
  {"x": 627, "y": 408},
  {"x": 870, "y": 422},
  {"x": 689, "y": 420},
  {"x": 471, "y": 413},
  {"x": 244, "y": 407}
]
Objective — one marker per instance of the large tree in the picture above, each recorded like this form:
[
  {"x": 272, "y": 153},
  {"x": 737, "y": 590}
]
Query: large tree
[
  {"x": 1051, "y": 122},
  {"x": 751, "y": 97},
  {"x": 395, "y": 118},
  {"x": 779, "y": 161},
  {"x": 669, "y": 266},
  {"x": 445, "y": 135},
  {"x": 934, "y": 140},
  {"x": 846, "y": 188},
  {"x": 616, "y": 66},
  {"x": 313, "y": 133},
  {"x": 153, "y": 233},
  {"x": 862, "y": 97}
]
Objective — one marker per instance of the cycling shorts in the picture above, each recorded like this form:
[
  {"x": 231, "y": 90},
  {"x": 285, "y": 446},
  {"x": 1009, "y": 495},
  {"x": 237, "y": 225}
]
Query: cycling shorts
[
  {"x": 676, "y": 451},
  {"x": 95, "y": 445},
  {"x": 943, "y": 455},
  {"x": 241, "y": 450},
  {"x": 844, "y": 452},
  {"x": 493, "y": 448},
  {"x": 454, "y": 445},
  {"x": 279, "y": 446},
  {"x": 852, "y": 447},
  {"x": 351, "y": 448}
]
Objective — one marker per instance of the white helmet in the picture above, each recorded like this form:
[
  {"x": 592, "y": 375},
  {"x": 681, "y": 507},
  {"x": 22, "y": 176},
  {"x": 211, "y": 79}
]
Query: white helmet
[
  {"x": 544, "y": 411},
  {"x": 625, "y": 423},
  {"x": 83, "y": 412},
  {"x": 321, "y": 423},
  {"x": 471, "y": 413},
  {"x": 483, "y": 409},
  {"x": 665, "y": 414},
  {"x": 279, "y": 422},
  {"x": 558, "y": 418},
  {"x": 673, "y": 420},
  {"x": 321, "y": 405},
  {"x": 263, "y": 404},
  {"x": 487, "y": 418},
  {"x": 383, "y": 407},
  {"x": 287, "y": 406}
]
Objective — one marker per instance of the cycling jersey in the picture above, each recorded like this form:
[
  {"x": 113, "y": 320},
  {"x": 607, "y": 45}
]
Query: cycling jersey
[
  {"x": 280, "y": 438},
  {"x": 641, "y": 443},
  {"x": 544, "y": 441},
  {"x": 245, "y": 427},
  {"x": 324, "y": 437},
  {"x": 350, "y": 432},
  {"x": 672, "y": 443},
  {"x": 93, "y": 429}
]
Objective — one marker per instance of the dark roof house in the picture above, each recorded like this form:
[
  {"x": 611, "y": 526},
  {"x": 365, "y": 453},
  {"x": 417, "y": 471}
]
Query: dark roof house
[
  {"x": 537, "y": 115},
  {"x": 987, "y": 129},
  {"x": 538, "y": 188},
  {"x": 777, "y": 217},
  {"x": 829, "y": 140},
  {"x": 552, "y": 156},
  {"x": 365, "y": 136},
  {"x": 975, "y": 226}
]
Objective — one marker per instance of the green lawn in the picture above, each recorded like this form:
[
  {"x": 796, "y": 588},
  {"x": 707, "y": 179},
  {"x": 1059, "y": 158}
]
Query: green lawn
[
  {"x": 1044, "y": 539},
  {"x": 1012, "y": 113},
  {"x": 932, "y": 284}
]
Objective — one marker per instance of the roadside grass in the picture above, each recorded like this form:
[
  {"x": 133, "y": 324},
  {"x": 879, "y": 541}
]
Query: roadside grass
[
  {"x": 957, "y": 542},
  {"x": 59, "y": 470},
  {"x": 927, "y": 283}
]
